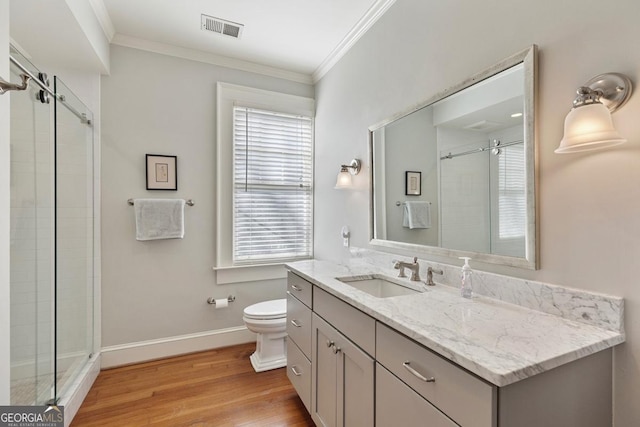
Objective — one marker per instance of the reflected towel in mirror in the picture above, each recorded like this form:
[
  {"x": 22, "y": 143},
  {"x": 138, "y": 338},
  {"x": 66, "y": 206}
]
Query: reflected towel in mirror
[
  {"x": 417, "y": 215},
  {"x": 159, "y": 218}
]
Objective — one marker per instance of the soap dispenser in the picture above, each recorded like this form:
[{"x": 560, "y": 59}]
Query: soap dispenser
[{"x": 466, "y": 289}]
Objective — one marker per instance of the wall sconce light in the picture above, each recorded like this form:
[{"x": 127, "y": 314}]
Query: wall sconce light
[
  {"x": 344, "y": 176},
  {"x": 588, "y": 126}
]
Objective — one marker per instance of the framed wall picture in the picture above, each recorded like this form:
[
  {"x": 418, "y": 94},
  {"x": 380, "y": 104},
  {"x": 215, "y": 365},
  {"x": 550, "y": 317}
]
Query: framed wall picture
[
  {"x": 413, "y": 183},
  {"x": 162, "y": 172}
]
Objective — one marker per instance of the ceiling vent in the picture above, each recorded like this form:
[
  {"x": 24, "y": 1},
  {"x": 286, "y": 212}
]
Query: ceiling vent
[
  {"x": 483, "y": 125},
  {"x": 220, "y": 26}
]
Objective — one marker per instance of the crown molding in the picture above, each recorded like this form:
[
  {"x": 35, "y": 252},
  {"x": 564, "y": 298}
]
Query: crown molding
[
  {"x": 209, "y": 58},
  {"x": 104, "y": 19},
  {"x": 362, "y": 26},
  {"x": 375, "y": 12}
]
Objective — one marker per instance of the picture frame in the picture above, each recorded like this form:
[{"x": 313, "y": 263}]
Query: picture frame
[
  {"x": 412, "y": 183},
  {"x": 162, "y": 172}
]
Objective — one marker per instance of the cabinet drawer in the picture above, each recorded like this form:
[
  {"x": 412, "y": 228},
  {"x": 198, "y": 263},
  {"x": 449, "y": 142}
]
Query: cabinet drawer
[
  {"x": 299, "y": 324},
  {"x": 299, "y": 373},
  {"x": 360, "y": 328},
  {"x": 299, "y": 288},
  {"x": 468, "y": 400},
  {"x": 398, "y": 405}
]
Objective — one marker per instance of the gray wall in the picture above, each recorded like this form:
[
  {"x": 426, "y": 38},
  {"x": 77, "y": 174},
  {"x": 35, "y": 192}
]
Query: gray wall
[
  {"x": 410, "y": 145},
  {"x": 5, "y": 168},
  {"x": 163, "y": 105},
  {"x": 589, "y": 203}
]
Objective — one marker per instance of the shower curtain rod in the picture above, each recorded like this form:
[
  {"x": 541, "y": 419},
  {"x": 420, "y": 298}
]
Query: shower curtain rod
[
  {"x": 480, "y": 150},
  {"x": 82, "y": 116}
]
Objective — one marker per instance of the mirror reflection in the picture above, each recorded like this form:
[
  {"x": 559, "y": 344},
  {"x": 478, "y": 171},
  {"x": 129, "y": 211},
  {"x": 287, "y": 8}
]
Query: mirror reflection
[{"x": 457, "y": 174}]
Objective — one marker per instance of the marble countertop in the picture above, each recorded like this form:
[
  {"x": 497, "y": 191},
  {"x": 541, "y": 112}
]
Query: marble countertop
[{"x": 500, "y": 342}]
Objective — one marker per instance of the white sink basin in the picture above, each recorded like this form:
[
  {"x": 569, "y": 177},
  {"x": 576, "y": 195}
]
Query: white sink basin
[{"x": 378, "y": 285}]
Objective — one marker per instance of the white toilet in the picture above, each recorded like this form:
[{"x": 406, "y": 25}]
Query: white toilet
[{"x": 268, "y": 319}]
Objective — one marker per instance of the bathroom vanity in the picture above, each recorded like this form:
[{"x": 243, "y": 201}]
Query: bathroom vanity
[{"x": 434, "y": 358}]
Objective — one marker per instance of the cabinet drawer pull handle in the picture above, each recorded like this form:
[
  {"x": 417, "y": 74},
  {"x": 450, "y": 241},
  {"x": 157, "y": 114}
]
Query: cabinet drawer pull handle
[
  {"x": 295, "y": 371},
  {"x": 330, "y": 343},
  {"x": 336, "y": 349},
  {"x": 296, "y": 288},
  {"x": 417, "y": 374},
  {"x": 295, "y": 323}
]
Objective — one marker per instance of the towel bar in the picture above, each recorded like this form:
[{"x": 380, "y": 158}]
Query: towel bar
[
  {"x": 398, "y": 203},
  {"x": 189, "y": 202},
  {"x": 212, "y": 300}
]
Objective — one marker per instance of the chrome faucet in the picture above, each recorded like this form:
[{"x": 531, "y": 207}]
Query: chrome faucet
[
  {"x": 414, "y": 267},
  {"x": 430, "y": 272}
]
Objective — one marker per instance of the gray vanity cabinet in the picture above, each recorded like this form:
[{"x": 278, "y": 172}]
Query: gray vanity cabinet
[
  {"x": 329, "y": 356},
  {"x": 577, "y": 394},
  {"x": 299, "y": 297},
  {"x": 351, "y": 370},
  {"x": 342, "y": 391}
]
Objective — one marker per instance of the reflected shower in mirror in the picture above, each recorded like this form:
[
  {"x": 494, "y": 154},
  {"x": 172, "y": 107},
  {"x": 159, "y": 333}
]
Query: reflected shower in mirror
[{"x": 474, "y": 148}]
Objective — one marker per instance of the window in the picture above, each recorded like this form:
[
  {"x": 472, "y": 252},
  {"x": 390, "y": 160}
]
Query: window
[
  {"x": 512, "y": 209},
  {"x": 264, "y": 182},
  {"x": 272, "y": 186}
]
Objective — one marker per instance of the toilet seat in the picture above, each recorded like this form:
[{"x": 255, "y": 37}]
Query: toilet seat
[{"x": 266, "y": 310}]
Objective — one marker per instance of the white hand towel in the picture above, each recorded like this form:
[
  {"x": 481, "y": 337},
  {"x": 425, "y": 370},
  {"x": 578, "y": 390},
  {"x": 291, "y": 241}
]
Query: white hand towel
[
  {"x": 159, "y": 219},
  {"x": 417, "y": 215}
]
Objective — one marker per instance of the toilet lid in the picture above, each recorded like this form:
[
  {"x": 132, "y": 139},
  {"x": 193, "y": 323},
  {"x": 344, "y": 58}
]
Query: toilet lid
[{"x": 267, "y": 309}]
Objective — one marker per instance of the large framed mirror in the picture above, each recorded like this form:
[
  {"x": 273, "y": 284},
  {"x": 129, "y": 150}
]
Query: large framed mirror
[{"x": 456, "y": 175}]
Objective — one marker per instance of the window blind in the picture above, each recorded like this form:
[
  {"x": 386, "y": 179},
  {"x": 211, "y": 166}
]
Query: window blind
[
  {"x": 512, "y": 209},
  {"x": 272, "y": 188}
]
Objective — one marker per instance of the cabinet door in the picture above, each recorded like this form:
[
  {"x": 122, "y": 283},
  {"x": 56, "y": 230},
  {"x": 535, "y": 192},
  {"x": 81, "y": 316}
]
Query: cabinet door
[
  {"x": 399, "y": 405},
  {"x": 342, "y": 383},
  {"x": 324, "y": 380},
  {"x": 355, "y": 385}
]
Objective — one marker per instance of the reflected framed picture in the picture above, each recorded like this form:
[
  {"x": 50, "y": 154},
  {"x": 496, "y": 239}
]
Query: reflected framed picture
[
  {"x": 412, "y": 183},
  {"x": 162, "y": 172}
]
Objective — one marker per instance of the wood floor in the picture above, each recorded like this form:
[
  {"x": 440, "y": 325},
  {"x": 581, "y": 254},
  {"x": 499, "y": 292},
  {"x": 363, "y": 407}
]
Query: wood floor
[{"x": 211, "y": 388}]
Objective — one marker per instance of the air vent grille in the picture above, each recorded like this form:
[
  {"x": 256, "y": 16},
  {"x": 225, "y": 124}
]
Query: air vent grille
[
  {"x": 483, "y": 125},
  {"x": 221, "y": 26}
]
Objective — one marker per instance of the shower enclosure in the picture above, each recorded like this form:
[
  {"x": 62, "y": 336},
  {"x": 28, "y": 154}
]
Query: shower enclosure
[
  {"x": 52, "y": 237},
  {"x": 483, "y": 195}
]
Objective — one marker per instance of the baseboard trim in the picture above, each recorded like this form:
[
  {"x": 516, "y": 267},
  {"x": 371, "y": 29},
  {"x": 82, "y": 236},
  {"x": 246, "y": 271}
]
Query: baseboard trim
[{"x": 143, "y": 351}]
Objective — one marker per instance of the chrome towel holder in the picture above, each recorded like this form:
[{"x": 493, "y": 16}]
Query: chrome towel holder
[
  {"x": 189, "y": 202},
  {"x": 399, "y": 203}
]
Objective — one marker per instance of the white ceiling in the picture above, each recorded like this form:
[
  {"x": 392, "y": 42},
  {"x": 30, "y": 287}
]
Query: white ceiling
[{"x": 304, "y": 37}]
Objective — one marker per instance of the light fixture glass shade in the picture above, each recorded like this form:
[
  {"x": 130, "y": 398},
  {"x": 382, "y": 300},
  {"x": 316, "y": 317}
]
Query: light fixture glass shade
[
  {"x": 588, "y": 127},
  {"x": 344, "y": 180}
]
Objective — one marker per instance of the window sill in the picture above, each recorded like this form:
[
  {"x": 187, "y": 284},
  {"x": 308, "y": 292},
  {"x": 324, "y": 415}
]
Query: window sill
[{"x": 249, "y": 273}]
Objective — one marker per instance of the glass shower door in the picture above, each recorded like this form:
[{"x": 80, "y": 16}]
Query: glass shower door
[
  {"x": 74, "y": 235},
  {"x": 32, "y": 247},
  {"x": 464, "y": 198},
  {"x": 51, "y": 239}
]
